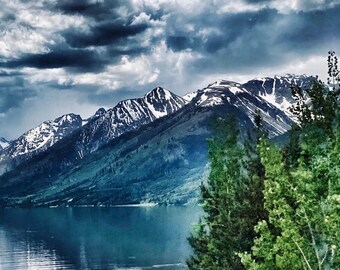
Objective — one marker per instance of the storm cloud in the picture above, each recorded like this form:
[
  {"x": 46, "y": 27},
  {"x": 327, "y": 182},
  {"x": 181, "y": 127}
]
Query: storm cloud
[
  {"x": 95, "y": 53},
  {"x": 103, "y": 34},
  {"x": 80, "y": 60}
]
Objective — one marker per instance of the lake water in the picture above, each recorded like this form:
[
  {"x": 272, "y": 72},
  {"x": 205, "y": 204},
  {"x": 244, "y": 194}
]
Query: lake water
[{"x": 96, "y": 238}]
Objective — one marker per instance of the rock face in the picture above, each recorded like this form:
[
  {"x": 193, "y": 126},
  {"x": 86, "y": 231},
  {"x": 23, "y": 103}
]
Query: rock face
[{"x": 150, "y": 149}]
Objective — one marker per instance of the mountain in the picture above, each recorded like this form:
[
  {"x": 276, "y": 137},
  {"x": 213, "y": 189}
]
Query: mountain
[
  {"x": 3, "y": 143},
  {"x": 95, "y": 131},
  {"x": 277, "y": 90},
  {"x": 151, "y": 149},
  {"x": 127, "y": 115},
  {"x": 38, "y": 140},
  {"x": 234, "y": 94}
]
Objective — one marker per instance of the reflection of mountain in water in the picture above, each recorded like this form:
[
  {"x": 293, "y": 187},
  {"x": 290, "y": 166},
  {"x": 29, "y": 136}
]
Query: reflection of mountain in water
[{"x": 95, "y": 238}]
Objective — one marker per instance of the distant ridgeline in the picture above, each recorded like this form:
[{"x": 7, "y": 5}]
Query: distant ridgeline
[{"x": 149, "y": 149}]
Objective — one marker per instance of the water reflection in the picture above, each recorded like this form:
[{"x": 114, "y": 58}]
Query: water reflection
[{"x": 95, "y": 238}]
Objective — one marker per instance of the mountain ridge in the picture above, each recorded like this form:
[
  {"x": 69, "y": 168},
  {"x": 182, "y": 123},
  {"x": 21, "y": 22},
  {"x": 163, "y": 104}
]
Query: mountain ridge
[{"x": 97, "y": 130}]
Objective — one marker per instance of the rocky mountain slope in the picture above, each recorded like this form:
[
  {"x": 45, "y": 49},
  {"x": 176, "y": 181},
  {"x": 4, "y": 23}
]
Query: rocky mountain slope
[{"x": 151, "y": 149}]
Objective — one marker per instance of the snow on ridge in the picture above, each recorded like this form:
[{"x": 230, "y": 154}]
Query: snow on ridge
[
  {"x": 189, "y": 96},
  {"x": 288, "y": 77},
  {"x": 3, "y": 143},
  {"x": 223, "y": 83},
  {"x": 45, "y": 135}
]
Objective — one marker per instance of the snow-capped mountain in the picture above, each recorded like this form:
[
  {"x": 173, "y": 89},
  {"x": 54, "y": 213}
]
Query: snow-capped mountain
[
  {"x": 127, "y": 115},
  {"x": 93, "y": 132},
  {"x": 277, "y": 90},
  {"x": 45, "y": 135},
  {"x": 3, "y": 143},
  {"x": 38, "y": 139},
  {"x": 236, "y": 95}
]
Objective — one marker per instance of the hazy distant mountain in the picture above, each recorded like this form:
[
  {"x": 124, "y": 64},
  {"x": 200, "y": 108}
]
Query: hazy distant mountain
[{"x": 148, "y": 149}]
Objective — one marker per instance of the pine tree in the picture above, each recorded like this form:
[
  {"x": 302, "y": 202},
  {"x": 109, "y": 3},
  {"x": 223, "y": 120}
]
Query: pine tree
[
  {"x": 214, "y": 241},
  {"x": 232, "y": 198}
]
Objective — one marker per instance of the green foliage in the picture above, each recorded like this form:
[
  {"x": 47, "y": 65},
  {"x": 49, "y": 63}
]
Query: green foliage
[
  {"x": 215, "y": 238},
  {"x": 232, "y": 199},
  {"x": 303, "y": 205},
  {"x": 316, "y": 106},
  {"x": 302, "y": 189}
]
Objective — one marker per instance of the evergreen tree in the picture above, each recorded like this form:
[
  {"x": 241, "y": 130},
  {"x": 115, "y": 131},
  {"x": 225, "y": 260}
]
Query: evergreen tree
[
  {"x": 232, "y": 198},
  {"x": 214, "y": 241}
]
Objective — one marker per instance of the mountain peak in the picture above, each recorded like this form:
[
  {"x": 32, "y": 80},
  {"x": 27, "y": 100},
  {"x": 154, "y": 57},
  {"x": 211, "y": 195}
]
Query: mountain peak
[
  {"x": 287, "y": 77},
  {"x": 161, "y": 102},
  {"x": 67, "y": 118},
  {"x": 159, "y": 93}
]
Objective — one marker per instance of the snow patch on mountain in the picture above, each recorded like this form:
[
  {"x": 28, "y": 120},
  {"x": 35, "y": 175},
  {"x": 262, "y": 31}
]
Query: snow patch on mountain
[
  {"x": 218, "y": 93},
  {"x": 189, "y": 96},
  {"x": 3, "y": 143},
  {"x": 277, "y": 90}
]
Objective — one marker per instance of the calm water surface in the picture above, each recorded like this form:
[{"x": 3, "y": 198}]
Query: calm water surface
[{"x": 96, "y": 238}]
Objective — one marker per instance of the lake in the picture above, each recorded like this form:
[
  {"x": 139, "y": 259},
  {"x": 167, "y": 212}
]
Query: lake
[{"x": 96, "y": 238}]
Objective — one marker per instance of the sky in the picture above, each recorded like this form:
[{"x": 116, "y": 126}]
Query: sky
[{"x": 62, "y": 56}]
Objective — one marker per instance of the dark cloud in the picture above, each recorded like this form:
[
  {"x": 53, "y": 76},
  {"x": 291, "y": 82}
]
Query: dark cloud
[
  {"x": 248, "y": 41},
  {"x": 13, "y": 92},
  {"x": 104, "y": 10},
  {"x": 131, "y": 51},
  {"x": 257, "y": 1},
  {"x": 8, "y": 17},
  {"x": 230, "y": 28},
  {"x": 80, "y": 60},
  {"x": 179, "y": 43},
  {"x": 4, "y": 73},
  {"x": 309, "y": 30},
  {"x": 103, "y": 34}
]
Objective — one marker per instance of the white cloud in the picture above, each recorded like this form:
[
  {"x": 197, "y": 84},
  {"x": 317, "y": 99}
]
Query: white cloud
[
  {"x": 34, "y": 29},
  {"x": 190, "y": 8},
  {"x": 18, "y": 39},
  {"x": 240, "y": 7},
  {"x": 288, "y": 6},
  {"x": 312, "y": 65}
]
